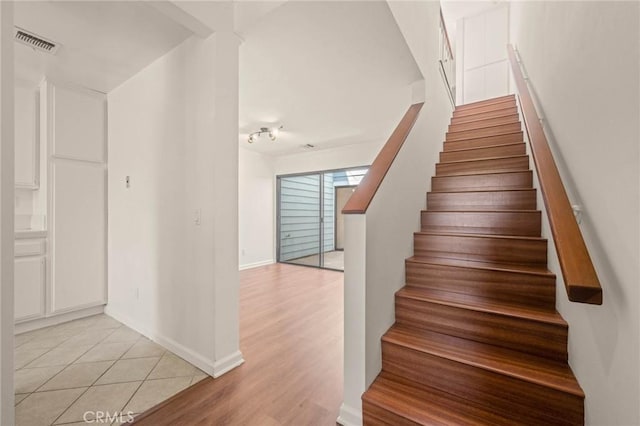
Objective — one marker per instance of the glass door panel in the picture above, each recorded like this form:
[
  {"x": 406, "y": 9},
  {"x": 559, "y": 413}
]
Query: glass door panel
[{"x": 299, "y": 227}]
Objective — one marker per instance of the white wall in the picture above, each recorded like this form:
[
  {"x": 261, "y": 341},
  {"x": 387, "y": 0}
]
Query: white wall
[
  {"x": 582, "y": 61},
  {"x": 377, "y": 243},
  {"x": 356, "y": 155},
  {"x": 173, "y": 235},
  {"x": 256, "y": 206},
  {"x": 6, "y": 213}
]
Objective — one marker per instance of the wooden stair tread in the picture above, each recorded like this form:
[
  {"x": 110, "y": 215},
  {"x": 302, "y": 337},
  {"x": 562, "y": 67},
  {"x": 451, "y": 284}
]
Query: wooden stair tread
[
  {"x": 484, "y": 123},
  {"x": 483, "y": 159},
  {"x": 459, "y": 300},
  {"x": 487, "y": 181},
  {"x": 458, "y": 141},
  {"x": 498, "y": 189},
  {"x": 487, "y": 101},
  {"x": 459, "y": 234},
  {"x": 425, "y": 407},
  {"x": 508, "y": 362},
  {"x": 482, "y": 129},
  {"x": 492, "y": 266},
  {"x": 501, "y": 112},
  {"x": 481, "y": 172},
  {"x": 484, "y": 147}
]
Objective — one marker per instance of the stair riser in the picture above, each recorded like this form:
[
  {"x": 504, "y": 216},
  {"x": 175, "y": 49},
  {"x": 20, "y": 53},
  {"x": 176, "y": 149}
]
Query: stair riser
[
  {"x": 481, "y": 249},
  {"x": 485, "y": 115},
  {"x": 374, "y": 415},
  {"x": 526, "y": 290},
  {"x": 480, "y": 153},
  {"x": 480, "y": 124},
  {"x": 534, "y": 337},
  {"x": 485, "y": 132},
  {"x": 482, "y": 200},
  {"x": 483, "y": 142},
  {"x": 479, "y": 182},
  {"x": 524, "y": 224},
  {"x": 487, "y": 165},
  {"x": 464, "y": 111},
  {"x": 475, "y": 104},
  {"x": 495, "y": 392}
]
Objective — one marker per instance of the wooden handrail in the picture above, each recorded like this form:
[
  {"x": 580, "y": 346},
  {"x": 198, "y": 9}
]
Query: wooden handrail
[
  {"x": 580, "y": 278},
  {"x": 362, "y": 196}
]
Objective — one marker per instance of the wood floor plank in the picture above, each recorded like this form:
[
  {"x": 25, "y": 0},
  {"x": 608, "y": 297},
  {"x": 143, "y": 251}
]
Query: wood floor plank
[{"x": 291, "y": 331}]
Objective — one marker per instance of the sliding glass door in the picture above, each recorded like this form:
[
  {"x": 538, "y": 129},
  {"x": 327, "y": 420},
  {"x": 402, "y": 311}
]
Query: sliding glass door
[
  {"x": 310, "y": 217},
  {"x": 299, "y": 235}
]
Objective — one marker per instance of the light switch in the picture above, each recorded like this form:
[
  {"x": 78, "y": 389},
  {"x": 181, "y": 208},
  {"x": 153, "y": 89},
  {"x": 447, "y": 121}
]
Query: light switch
[{"x": 128, "y": 182}]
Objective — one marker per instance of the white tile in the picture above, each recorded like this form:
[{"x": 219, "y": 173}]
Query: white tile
[
  {"x": 105, "y": 321},
  {"x": 128, "y": 370},
  {"x": 77, "y": 375},
  {"x": 44, "y": 342},
  {"x": 144, "y": 348},
  {"x": 87, "y": 337},
  {"x": 19, "y": 397},
  {"x": 59, "y": 356},
  {"x": 21, "y": 339},
  {"x": 153, "y": 392},
  {"x": 198, "y": 377},
  {"x": 41, "y": 409},
  {"x": 29, "y": 379},
  {"x": 106, "y": 352},
  {"x": 25, "y": 356},
  {"x": 108, "y": 399},
  {"x": 172, "y": 366},
  {"x": 123, "y": 334}
]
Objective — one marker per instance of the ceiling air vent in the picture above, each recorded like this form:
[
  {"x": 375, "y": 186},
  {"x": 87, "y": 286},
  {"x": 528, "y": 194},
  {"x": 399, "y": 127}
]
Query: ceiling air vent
[{"x": 35, "y": 41}]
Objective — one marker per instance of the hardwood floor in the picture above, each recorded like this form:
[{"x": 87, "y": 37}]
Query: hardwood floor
[{"x": 291, "y": 331}]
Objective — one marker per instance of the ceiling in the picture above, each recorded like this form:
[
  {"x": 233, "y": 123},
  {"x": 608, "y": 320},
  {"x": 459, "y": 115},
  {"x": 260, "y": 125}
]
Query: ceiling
[
  {"x": 103, "y": 43},
  {"x": 332, "y": 73},
  {"x": 452, "y": 10}
]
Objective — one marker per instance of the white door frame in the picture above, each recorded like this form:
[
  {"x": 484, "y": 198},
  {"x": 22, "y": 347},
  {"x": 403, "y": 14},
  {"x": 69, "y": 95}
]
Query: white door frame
[{"x": 7, "y": 160}]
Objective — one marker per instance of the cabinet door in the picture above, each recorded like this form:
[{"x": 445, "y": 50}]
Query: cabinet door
[
  {"x": 29, "y": 288},
  {"x": 78, "y": 225},
  {"x": 26, "y": 137}
]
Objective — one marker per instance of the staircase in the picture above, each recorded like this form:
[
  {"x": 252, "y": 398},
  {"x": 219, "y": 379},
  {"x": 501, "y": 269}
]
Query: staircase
[{"x": 477, "y": 339}]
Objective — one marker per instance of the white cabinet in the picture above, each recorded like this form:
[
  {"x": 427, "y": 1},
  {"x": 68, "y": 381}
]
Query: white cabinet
[
  {"x": 29, "y": 279},
  {"x": 77, "y": 190},
  {"x": 26, "y": 136}
]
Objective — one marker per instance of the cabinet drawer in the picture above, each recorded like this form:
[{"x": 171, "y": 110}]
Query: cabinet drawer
[
  {"x": 29, "y": 248},
  {"x": 29, "y": 288}
]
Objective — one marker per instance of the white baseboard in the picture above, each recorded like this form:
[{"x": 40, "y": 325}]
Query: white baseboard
[
  {"x": 212, "y": 368},
  {"x": 256, "y": 264},
  {"x": 349, "y": 416},
  {"x": 227, "y": 364},
  {"x": 35, "y": 324}
]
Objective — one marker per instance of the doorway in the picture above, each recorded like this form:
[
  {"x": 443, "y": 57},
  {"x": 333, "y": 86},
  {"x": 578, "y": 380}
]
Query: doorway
[
  {"x": 342, "y": 195},
  {"x": 310, "y": 225}
]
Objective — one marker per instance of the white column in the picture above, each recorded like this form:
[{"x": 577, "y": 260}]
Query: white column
[
  {"x": 225, "y": 188},
  {"x": 355, "y": 262},
  {"x": 6, "y": 213}
]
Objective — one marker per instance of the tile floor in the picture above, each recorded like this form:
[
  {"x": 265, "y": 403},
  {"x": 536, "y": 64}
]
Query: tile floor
[{"x": 92, "y": 364}]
